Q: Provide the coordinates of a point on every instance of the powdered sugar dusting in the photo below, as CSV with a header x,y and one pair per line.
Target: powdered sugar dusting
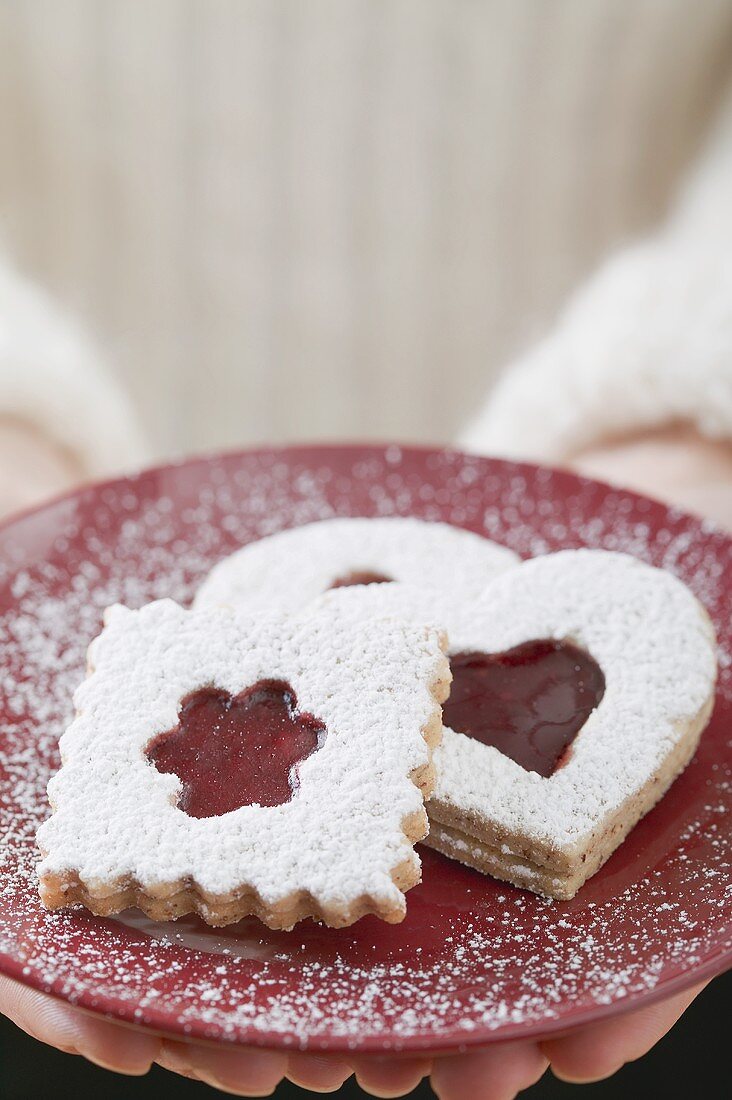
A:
x,y
293,567
474,959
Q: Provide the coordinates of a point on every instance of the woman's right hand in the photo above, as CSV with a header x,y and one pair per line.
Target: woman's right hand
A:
x,y
673,464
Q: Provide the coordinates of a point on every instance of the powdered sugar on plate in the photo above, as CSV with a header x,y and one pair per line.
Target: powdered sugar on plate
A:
x,y
474,959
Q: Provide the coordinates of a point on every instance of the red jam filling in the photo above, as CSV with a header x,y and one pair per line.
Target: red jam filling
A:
x,y
360,578
529,702
237,751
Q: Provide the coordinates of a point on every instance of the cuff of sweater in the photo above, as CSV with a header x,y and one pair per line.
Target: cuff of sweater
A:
x,y
51,377
647,343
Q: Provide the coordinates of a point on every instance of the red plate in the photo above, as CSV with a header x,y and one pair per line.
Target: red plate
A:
x,y
475,960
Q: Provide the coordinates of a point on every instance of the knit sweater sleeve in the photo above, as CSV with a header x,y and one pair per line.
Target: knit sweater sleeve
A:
x,y
52,378
646,342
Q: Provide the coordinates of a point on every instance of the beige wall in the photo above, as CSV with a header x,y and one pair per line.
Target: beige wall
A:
x,y
336,217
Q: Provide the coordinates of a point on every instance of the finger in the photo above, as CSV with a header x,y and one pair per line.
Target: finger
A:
x,y
173,1056
103,1042
599,1050
241,1071
387,1077
318,1073
497,1073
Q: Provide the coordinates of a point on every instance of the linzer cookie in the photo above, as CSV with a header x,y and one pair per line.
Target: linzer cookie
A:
x,y
231,764
289,569
582,682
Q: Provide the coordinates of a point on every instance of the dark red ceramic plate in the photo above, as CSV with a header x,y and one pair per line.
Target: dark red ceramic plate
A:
x,y
475,960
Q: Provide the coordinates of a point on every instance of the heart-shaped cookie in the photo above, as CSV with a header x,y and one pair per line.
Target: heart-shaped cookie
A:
x,y
339,847
654,647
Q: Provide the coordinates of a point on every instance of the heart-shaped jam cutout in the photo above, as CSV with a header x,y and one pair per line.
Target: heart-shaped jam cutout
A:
x,y
360,578
236,751
529,702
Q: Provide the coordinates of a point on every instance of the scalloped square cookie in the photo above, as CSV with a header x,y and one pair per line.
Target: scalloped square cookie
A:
x,y
228,764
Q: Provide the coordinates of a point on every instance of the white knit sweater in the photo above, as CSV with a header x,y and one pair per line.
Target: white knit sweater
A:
x,y
647,341
340,218
52,377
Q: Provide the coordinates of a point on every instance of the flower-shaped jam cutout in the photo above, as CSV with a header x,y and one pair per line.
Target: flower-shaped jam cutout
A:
x,y
231,751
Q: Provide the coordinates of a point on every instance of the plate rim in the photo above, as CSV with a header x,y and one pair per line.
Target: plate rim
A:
x,y
453,1042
